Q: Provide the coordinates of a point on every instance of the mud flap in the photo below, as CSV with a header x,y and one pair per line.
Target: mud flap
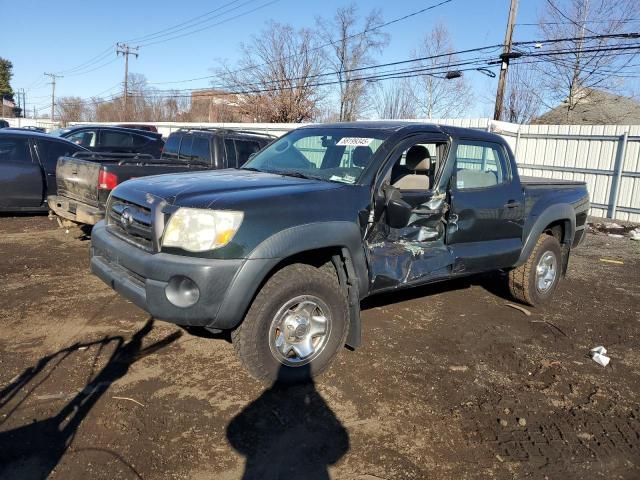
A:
x,y
348,279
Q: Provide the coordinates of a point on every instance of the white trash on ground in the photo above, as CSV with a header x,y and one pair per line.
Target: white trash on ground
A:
x,y
599,356
635,234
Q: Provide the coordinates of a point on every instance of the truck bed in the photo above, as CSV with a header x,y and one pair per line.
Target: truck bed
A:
x,y
537,181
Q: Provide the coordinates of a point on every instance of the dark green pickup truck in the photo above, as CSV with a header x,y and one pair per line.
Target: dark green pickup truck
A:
x,y
282,250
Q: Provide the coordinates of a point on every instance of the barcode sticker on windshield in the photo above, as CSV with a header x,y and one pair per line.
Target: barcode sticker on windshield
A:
x,y
354,142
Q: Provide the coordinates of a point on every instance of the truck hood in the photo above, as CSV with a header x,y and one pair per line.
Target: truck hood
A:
x,y
219,188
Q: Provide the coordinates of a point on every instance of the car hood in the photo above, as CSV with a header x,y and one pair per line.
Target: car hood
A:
x,y
221,188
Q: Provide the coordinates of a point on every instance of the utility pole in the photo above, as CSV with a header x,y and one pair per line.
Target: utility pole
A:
x,y
24,104
126,50
53,77
505,57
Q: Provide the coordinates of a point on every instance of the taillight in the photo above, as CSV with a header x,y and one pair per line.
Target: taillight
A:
x,y
107,180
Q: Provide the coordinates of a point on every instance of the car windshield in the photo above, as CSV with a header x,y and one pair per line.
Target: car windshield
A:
x,y
335,154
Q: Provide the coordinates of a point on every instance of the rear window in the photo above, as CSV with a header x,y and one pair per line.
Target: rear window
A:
x,y
170,150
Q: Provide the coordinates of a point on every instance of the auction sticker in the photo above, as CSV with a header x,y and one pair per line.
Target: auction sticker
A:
x,y
354,142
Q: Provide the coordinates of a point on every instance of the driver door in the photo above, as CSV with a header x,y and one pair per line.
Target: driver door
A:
x,y
411,252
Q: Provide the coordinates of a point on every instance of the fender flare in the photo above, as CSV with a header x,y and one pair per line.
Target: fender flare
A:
x,y
342,235
554,213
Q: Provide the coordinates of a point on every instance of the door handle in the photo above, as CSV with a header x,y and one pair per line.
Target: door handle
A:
x,y
511,204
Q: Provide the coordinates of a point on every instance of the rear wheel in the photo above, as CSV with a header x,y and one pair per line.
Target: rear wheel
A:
x,y
295,326
536,280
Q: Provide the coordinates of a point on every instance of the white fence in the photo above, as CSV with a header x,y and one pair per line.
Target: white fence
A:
x,y
607,157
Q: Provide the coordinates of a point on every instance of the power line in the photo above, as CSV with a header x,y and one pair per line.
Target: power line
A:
x,y
417,70
625,20
168,30
92,61
260,7
320,47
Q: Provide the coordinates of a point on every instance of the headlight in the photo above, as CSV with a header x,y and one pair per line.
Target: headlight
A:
x,y
198,230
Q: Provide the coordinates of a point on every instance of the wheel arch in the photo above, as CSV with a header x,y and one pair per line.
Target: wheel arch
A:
x,y
558,220
314,244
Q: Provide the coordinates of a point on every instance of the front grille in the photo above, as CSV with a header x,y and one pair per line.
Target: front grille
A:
x,y
132,222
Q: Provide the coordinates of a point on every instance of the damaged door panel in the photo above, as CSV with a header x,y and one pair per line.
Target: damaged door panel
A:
x,y
413,252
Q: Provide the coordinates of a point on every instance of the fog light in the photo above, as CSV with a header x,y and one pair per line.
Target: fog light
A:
x,y
182,291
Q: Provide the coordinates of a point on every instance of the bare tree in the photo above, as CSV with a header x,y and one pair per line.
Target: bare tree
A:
x,y
352,44
145,104
590,64
395,99
441,97
71,109
276,76
523,100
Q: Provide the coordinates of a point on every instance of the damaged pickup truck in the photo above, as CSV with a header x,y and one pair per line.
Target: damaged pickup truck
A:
x,y
282,250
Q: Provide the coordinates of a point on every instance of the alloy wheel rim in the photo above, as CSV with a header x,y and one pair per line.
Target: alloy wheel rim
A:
x,y
546,272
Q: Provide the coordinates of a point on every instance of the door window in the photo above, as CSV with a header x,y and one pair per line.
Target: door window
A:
x,y
170,150
49,152
200,149
139,140
231,152
86,138
116,139
14,150
415,168
244,149
185,148
479,165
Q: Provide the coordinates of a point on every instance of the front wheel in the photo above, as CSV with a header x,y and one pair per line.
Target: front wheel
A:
x,y
294,327
535,281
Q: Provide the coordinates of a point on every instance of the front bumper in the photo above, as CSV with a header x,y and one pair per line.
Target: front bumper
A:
x,y
75,211
143,277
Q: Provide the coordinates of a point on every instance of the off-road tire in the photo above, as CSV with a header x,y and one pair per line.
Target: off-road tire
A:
x,y
251,338
522,280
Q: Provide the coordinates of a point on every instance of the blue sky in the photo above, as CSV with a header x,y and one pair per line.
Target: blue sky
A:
x,y
46,36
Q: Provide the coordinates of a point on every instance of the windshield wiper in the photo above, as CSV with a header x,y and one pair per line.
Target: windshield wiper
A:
x,y
297,174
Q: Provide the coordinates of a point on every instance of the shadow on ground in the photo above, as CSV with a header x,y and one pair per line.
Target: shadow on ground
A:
x,y
32,451
288,432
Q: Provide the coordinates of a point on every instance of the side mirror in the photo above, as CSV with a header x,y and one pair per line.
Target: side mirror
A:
x,y
398,213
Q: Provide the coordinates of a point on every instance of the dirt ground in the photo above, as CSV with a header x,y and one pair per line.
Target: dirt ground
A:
x,y
450,382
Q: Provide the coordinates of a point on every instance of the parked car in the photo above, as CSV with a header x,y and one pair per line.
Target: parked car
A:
x,y
85,181
282,251
4,124
139,126
28,168
104,138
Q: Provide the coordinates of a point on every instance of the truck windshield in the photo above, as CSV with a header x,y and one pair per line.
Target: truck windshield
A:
x,y
336,155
